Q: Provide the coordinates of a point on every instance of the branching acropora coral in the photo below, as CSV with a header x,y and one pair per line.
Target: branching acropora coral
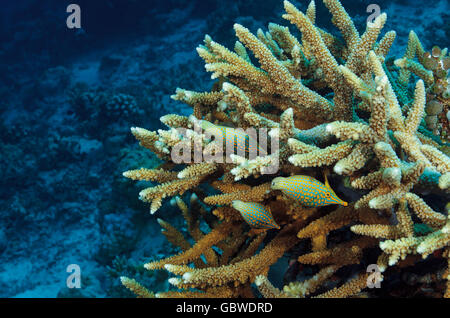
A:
x,y
325,104
433,67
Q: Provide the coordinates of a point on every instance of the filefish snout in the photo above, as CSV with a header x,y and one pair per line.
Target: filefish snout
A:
x,y
256,215
334,199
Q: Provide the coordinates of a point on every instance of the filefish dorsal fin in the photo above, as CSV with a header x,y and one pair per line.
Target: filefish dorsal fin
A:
x,y
327,184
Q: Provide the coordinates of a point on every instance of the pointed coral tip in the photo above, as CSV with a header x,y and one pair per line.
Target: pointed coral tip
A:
x,y
126,174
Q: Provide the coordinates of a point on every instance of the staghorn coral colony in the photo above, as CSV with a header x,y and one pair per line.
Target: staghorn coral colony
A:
x,y
377,127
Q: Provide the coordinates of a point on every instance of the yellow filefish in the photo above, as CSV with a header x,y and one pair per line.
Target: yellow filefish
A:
x,y
233,139
307,190
255,214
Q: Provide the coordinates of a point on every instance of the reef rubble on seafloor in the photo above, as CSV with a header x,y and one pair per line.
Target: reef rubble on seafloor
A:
x,y
334,104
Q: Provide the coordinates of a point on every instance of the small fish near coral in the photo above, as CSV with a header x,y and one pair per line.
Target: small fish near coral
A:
x,y
309,191
236,140
256,215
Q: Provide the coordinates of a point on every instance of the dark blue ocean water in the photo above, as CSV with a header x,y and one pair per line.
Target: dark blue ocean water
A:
x,y
68,98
